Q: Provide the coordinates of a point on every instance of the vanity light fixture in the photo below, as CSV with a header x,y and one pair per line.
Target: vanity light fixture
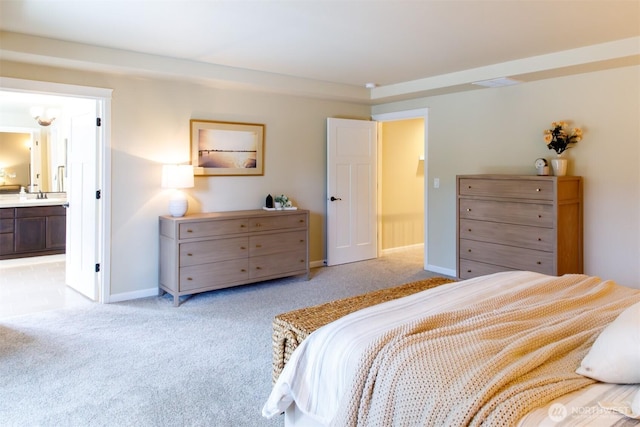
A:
x,y
43,119
177,177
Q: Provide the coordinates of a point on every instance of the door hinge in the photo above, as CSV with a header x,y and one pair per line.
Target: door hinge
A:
x,y
98,121
98,268
98,194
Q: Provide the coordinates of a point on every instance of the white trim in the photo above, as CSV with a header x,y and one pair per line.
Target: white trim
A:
x,y
127,296
103,97
320,263
422,113
441,270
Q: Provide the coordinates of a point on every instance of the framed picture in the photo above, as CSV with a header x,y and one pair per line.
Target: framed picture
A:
x,y
227,148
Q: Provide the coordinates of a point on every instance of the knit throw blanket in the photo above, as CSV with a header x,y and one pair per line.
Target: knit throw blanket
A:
x,y
486,364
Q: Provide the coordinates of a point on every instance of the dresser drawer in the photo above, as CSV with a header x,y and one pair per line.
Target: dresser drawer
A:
x,y
537,215
513,189
538,238
267,244
278,222
215,274
207,251
267,265
507,256
469,269
213,228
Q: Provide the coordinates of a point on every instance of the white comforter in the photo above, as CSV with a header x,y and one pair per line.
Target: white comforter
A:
x,y
318,375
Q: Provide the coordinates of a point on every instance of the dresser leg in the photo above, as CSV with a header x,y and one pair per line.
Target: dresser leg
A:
x,y
176,300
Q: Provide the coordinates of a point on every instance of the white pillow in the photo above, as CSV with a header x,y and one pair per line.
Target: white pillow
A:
x,y
615,354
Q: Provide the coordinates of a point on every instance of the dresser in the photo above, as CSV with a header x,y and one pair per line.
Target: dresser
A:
x,y
209,251
519,222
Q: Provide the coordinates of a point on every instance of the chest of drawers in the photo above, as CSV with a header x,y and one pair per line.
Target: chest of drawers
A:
x,y
507,222
204,252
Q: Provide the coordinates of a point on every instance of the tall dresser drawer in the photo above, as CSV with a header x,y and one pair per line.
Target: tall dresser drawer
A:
x,y
267,244
469,269
267,265
538,215
278,222
213,250
211,275
538,238
213,228
507,256
513,189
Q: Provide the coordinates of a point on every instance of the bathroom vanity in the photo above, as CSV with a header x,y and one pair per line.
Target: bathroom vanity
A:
x,y
32,227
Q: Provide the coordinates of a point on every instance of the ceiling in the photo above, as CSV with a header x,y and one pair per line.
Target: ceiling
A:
x,y
403,47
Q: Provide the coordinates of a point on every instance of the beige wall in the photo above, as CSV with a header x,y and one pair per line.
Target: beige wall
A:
x,y
150,126
15,157
402,183
500,131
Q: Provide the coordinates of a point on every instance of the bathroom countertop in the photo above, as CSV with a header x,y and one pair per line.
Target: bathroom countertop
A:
x,y
15,202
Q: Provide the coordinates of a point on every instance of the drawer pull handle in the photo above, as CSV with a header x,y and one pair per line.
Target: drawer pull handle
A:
x,y
189,278
301,240
189,254
242,247
301,221
469,230
469,187
539,239
539,262
189,230
537,189
242,270
241,225
258,268
301,260
539,216
258,246
258,224
468,250
468,271
468,209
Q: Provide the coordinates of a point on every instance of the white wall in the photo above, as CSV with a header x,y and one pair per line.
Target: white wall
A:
x,y
500,131
150,127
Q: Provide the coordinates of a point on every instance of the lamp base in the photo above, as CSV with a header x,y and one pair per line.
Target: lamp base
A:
x,y
178,204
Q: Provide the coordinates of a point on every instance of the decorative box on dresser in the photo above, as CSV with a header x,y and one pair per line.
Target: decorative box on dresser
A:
x,y
519,222
204,252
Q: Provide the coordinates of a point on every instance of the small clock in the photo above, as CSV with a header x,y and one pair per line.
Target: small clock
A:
x,y
542,167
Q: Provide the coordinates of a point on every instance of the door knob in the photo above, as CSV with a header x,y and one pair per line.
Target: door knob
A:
x,y
333,199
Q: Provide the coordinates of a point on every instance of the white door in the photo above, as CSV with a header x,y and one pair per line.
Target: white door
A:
x,y
82,214
351,190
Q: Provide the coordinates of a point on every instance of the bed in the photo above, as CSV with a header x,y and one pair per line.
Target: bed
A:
x,y
512,348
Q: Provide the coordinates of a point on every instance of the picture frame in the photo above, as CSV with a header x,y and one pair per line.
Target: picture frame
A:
x,y
227,148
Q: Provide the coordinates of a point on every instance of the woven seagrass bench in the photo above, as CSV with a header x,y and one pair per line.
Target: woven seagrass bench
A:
x,y
291,328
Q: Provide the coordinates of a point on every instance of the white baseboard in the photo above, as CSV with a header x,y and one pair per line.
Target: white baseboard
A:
x,y
401,248
126,296
441,270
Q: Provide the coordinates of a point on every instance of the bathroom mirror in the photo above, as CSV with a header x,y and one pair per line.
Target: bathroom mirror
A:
x,y
31,158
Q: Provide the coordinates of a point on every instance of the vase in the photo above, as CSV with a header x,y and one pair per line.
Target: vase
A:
x,y
559,165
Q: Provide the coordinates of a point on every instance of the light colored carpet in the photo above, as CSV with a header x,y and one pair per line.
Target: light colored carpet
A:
x,y
147,363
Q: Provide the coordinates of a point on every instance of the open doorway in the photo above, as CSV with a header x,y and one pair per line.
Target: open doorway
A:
x,y
92,231
402,190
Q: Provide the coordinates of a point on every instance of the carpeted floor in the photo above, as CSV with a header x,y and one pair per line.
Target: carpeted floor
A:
x,y
147,363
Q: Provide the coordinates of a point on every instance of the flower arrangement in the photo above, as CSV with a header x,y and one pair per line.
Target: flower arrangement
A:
x,y
558,138
283,200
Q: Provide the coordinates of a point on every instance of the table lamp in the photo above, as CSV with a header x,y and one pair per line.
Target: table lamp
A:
x,y
177,177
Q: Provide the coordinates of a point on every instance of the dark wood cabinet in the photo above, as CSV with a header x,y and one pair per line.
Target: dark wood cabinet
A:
x,y
32,231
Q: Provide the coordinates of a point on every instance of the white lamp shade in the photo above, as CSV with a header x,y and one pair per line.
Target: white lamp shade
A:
x,y
177,176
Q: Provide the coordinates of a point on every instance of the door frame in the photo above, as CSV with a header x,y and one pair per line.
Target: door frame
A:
x,y
420,113
102,97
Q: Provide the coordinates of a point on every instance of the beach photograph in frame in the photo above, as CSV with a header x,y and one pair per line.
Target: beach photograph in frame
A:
x,y
227,148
